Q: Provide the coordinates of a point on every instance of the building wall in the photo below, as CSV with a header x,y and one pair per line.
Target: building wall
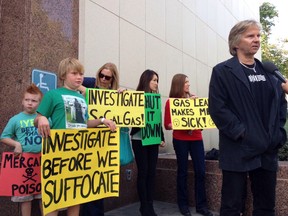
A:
x,y
168,36
34,34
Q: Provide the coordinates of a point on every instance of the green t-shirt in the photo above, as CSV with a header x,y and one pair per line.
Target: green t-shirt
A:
x,y
21,128
66,108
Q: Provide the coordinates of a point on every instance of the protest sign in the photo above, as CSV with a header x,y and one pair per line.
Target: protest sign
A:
x,y
78,166
187,113
125,109
151,133
20,176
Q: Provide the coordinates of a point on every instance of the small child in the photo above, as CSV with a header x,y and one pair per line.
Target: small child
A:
x,y
67,108
16,132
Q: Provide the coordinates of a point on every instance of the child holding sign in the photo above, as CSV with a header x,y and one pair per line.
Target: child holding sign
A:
x,y
146,156
21,134
67,109
187,142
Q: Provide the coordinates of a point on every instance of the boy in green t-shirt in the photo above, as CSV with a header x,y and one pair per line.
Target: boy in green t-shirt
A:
x,y
67,108
21,134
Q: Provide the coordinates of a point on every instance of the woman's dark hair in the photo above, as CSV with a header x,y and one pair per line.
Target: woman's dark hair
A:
x,y
145,79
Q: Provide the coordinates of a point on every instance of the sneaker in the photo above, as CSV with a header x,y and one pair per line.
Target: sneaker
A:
x,y
204,212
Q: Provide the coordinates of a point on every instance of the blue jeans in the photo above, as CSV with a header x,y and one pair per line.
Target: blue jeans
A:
x,y
196,150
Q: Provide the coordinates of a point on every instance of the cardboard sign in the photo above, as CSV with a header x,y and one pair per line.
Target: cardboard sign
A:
x,y
189,113
151,133
79,166
20,176
125,109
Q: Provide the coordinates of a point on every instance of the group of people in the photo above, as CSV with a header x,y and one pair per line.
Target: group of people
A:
x,y
50,114
246,103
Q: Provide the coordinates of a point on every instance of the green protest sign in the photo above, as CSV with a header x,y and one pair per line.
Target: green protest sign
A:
x,y
151,133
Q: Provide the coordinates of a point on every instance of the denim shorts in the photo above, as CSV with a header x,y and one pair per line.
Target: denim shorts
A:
x,y
25,198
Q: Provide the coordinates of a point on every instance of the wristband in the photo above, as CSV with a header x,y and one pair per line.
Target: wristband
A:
x,y
102,120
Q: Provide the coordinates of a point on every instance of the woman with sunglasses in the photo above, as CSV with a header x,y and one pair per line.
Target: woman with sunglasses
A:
x,y
107,77
146,156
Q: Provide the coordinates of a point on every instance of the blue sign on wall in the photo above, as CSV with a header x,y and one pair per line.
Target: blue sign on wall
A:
x,y
44,80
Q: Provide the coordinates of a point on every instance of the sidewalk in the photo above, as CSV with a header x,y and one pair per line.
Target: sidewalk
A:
x,y
161,208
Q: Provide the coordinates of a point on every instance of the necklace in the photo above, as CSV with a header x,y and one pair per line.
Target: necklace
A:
x,y
253,68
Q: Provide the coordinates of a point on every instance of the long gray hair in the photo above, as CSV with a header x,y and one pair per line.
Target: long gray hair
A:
x,y
237,31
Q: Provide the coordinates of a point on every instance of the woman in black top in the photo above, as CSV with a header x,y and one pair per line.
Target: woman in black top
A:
x,y
146,156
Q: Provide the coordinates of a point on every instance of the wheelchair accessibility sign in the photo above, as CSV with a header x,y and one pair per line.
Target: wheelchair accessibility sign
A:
x,y
44,80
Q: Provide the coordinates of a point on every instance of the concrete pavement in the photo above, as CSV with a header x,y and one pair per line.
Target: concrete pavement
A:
x,y
161,208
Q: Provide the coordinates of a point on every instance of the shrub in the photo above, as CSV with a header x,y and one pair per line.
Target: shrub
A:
x,y
283,153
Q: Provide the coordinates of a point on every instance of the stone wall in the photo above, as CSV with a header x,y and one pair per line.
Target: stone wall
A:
x,y
166,185
34,34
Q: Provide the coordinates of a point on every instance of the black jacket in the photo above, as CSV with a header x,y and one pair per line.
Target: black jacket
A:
x,y
244,143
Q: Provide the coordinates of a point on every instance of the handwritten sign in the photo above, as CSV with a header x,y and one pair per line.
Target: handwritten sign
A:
x,y
189,113
125,109
20,176
79,166
151,133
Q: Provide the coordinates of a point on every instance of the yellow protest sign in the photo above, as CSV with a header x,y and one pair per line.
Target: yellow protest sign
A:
x,y
79,166
189,113
125,109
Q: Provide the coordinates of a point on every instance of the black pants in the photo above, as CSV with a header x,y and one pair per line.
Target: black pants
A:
x,y
146,159
93,208
263,184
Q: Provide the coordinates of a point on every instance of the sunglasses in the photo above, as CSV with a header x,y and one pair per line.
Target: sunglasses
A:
x,y
106,77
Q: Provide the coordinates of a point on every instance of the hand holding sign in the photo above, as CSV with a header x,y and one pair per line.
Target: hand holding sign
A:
x,y
109,123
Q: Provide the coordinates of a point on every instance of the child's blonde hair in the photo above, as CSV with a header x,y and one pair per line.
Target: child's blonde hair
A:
x,y
69,64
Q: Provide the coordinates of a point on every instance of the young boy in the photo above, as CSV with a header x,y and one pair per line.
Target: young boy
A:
x,y
16,132
67,108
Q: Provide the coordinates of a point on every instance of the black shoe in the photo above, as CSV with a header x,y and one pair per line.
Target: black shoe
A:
x,y
144,211
151,209
204,212
185,212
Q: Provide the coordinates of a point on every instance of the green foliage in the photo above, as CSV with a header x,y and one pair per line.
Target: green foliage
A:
x,y
272,52
283,152
267,14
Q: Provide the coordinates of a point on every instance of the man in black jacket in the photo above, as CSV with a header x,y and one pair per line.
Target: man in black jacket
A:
x,y
248,107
